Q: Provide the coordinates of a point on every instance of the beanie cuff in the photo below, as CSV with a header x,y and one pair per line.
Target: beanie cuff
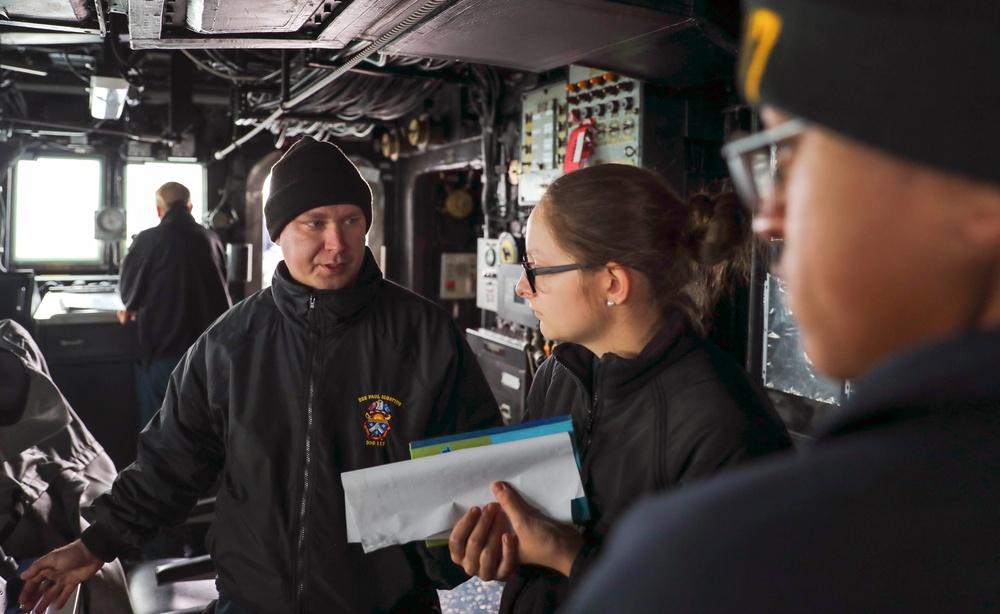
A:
x,y
905,81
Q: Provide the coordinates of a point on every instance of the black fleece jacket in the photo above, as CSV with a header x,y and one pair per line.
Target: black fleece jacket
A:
x,y
174,276
681,410
273,398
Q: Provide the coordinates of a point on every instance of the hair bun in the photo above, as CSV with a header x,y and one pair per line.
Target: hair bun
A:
x,y
720,228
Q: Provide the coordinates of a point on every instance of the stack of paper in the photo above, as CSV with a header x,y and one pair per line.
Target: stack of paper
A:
x,y
423,498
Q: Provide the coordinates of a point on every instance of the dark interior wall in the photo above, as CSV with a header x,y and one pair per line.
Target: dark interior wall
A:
x,y
413,224
259,167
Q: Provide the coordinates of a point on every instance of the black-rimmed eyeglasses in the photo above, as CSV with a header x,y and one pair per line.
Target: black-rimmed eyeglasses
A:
x,y
531,272
752,161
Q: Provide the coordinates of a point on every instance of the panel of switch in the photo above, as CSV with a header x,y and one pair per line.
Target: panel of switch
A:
x,y
487,264
614,105
458,276
543,146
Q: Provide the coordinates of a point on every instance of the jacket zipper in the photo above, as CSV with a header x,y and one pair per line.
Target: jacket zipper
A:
x,y
588,425
300,588
592,412
591,417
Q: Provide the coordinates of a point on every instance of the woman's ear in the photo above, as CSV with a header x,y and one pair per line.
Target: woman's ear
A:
x,y
618,283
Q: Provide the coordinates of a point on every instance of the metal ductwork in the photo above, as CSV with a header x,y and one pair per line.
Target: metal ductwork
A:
x,y
218,17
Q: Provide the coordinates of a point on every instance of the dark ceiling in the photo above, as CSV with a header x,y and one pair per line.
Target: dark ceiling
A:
x,y
341,66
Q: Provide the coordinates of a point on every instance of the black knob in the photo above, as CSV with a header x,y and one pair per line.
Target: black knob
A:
x,y
8,566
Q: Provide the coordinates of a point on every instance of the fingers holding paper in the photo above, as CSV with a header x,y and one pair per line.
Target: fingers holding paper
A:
x,y
540,539
482,545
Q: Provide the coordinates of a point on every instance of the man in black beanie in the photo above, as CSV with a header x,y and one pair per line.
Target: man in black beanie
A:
x,y
880,171
330,369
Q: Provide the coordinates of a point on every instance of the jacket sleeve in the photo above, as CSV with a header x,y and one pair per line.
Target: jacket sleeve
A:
x,y
180,456
465,403
132,278
584,559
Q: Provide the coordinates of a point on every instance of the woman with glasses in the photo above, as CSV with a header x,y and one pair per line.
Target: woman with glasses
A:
x,y
624,275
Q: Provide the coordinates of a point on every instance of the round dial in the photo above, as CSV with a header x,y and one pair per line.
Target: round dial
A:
x,y
509,253
459,203
111,220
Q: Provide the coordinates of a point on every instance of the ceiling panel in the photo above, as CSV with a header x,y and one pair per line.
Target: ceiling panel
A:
x,y
49,10
670,43
534,35
231,17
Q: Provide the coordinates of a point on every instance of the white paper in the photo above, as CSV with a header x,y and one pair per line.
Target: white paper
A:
x,y
99,301
423,498
69,608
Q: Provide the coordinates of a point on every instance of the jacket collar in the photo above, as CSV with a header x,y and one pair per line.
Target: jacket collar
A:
x,y
619,376
332,306
932,376
176,214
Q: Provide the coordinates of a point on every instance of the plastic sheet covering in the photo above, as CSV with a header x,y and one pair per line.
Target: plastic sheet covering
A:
x,y
786,366
472,597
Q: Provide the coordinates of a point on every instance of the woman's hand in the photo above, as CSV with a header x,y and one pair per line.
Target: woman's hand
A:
x,y
540,540
481,545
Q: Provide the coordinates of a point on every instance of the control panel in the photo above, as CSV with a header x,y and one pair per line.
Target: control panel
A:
x,y
505,367
612,105
458,276
487,266
544,130
510,306
595,117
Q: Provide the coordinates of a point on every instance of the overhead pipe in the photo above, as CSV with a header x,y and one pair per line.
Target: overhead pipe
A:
x,y
397,30
285,74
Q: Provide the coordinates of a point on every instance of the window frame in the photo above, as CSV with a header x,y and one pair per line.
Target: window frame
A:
x,y
99,262
200,197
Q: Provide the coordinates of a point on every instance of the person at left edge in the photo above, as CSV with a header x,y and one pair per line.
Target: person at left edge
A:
x,y
331,369
173,285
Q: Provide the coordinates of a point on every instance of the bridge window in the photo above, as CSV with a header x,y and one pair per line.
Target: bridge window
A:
x,y
141,182
53,199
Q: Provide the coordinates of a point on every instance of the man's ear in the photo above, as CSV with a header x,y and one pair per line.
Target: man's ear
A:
x,y
981,216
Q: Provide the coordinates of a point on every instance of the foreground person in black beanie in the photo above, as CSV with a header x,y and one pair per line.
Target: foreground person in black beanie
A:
x,y
887,196
331,369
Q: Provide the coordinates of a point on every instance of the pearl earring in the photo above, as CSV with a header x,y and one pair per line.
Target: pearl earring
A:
x,y
611,303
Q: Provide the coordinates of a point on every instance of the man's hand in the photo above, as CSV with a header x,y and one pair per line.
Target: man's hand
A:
x,y
125,316
52,578
480,545
540,540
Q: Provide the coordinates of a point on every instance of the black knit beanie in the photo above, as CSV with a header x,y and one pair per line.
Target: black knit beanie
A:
x,y
910,77
313,174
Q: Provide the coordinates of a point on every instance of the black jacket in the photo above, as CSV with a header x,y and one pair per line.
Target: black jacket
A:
x,y
174,276
680,411
274,398
892,508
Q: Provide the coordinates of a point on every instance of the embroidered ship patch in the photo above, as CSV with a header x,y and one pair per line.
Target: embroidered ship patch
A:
x,y
377,422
